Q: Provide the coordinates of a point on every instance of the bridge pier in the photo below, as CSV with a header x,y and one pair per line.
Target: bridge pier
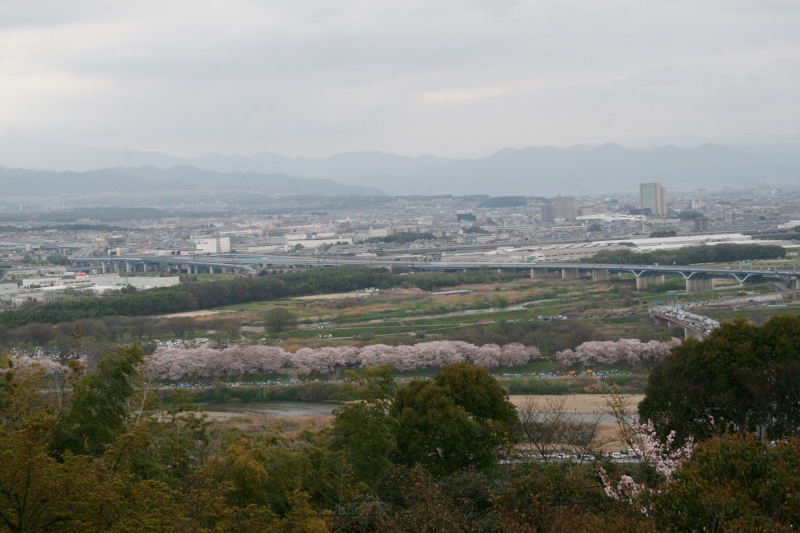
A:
x,y
657,319
788,285
671,326
691,334
699,284
604,275
570,273
645,282
539,273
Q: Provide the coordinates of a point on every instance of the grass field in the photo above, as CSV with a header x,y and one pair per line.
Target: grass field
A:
x,y
407,314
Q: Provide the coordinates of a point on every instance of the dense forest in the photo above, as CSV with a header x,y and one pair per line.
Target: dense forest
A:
x,y
720,253
447,454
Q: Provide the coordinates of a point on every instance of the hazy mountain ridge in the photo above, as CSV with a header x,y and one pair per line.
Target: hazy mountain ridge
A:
x,y
549,171
23,182
527,171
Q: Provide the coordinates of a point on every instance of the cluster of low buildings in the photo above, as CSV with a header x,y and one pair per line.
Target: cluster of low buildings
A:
x,y
560,228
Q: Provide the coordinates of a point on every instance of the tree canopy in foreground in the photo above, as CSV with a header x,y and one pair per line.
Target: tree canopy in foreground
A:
x,y
99,453
742,378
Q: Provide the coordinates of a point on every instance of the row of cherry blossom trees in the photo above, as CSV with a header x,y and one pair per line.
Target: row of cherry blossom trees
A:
x,y
631,351
175,364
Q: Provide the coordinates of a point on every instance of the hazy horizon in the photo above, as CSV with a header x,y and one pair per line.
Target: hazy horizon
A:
x,y
743,140
453,79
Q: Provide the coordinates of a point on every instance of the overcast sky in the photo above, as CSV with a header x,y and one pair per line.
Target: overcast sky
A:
x,y
441,77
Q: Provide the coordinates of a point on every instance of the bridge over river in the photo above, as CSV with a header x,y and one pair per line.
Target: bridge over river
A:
x,y
696,326
698,277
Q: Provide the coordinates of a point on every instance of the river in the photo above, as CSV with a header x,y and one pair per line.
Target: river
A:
x,y
270,409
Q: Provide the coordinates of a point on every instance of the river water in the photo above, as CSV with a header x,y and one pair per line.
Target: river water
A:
x,y
271,409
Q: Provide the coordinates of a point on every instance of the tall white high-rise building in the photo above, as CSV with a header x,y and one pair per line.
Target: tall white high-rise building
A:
x,y
653,196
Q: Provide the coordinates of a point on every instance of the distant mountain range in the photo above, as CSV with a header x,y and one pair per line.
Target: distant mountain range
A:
x,y
22,182
527,171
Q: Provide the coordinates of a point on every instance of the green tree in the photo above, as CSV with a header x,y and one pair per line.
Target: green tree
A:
x,y
734,483
688,214
229,331
176,443
550,497
741,378
279,319
363,431
458,420
181,325
99,411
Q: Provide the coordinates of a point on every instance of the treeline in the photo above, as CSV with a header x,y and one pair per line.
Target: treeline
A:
x,y
61,227
105,214
720,253
504,201
192,295
783,236
548,337
663,233
577,385
404,237
314,391
96,335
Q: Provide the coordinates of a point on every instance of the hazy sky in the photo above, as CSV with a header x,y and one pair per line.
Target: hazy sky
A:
x,y
442,77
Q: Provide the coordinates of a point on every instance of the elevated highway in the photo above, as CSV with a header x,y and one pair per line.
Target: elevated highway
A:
x,y
697,277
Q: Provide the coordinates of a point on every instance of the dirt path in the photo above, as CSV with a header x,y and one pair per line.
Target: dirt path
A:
x,y
335,296
204,312
581,403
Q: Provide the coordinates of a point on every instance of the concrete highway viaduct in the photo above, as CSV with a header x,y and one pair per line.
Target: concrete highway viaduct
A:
x,y
698,278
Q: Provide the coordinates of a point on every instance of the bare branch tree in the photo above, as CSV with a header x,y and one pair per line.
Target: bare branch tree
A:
x,y
582,433
543,422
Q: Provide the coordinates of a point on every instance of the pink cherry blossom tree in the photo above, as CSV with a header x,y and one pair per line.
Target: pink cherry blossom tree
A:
x,y
631,351
173,364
